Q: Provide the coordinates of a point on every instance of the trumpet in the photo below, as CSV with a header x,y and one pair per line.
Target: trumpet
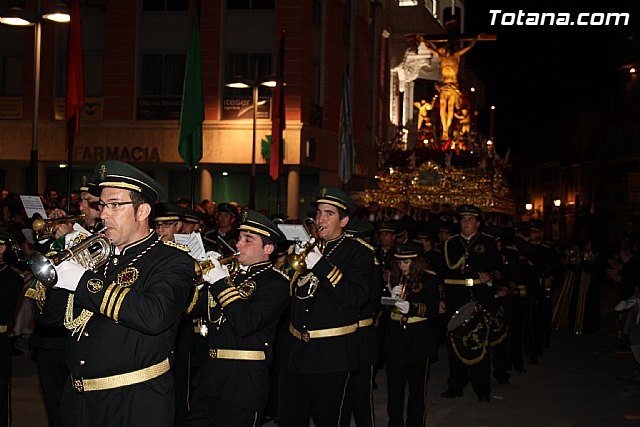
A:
x,y
203,267
43,228
91,253
297,261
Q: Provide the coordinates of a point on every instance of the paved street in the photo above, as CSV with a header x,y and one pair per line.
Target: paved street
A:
x,y
582,381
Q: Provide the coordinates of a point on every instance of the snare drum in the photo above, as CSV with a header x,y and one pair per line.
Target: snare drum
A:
x,y
469,333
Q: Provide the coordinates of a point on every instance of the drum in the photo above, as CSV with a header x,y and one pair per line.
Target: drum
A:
x,y
498,327
469,333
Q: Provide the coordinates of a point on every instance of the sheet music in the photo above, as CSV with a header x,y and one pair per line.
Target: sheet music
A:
x,y
295,232
33,204
194,241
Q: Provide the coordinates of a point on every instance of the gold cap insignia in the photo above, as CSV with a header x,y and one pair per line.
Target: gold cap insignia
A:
x,y
103,172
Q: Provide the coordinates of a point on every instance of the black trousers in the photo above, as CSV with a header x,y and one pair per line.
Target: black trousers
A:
x,y
359,399
5,377
207,412
515,337
303,396
53,374
460,373
398,374
500,360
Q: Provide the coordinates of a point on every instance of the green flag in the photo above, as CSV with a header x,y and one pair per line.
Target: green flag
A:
x,y
192,112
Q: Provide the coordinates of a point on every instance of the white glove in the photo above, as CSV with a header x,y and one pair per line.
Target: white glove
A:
x,y
396,291
69,238
69,274
218,271
313,257
298,247
403,306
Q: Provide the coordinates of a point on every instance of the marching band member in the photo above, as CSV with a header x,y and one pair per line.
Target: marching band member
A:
x,y
321,349
410,341
470,258
243,312
123,316
10,286
89,205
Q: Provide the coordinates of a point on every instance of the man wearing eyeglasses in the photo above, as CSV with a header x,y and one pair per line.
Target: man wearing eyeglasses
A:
x,y
122,316
168,221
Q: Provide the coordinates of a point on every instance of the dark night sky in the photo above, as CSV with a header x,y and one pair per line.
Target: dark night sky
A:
x,y
538,77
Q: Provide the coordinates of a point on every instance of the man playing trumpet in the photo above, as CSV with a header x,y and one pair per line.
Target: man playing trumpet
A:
x,y
123,315
322,347
243,313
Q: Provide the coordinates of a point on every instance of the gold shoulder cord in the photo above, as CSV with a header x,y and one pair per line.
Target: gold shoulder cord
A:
x,y
77,325
458,264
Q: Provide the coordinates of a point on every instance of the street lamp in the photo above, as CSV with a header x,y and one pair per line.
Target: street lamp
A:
x,y
15,16
254,85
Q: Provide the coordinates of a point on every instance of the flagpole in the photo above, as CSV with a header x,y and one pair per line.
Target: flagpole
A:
x,y
193,187
71,126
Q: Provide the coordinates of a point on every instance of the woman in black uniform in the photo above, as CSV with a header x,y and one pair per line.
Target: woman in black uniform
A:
x,y
409,340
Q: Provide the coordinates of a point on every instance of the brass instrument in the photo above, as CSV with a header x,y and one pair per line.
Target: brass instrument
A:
x,y
297,261
91,253
203,267
43,228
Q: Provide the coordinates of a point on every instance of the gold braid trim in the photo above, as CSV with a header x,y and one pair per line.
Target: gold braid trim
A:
x,y
77,325
458,264
37,292
194,300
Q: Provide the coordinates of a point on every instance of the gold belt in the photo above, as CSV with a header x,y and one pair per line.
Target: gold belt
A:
x,y
3,329
323,333
365,322
411,319
465,282
80,385
220,353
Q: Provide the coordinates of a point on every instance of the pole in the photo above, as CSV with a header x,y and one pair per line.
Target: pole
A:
x,y
193,187
71,126
37,37
252,188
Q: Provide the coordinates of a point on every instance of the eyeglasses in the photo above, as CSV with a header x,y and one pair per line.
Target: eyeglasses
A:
x,y
164,224
113,206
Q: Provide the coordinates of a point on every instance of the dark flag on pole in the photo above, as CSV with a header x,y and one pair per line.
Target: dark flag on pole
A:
x,y
278,119
345,134
75,74
192,112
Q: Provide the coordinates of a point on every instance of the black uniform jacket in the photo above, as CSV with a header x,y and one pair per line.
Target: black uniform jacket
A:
x,y
10,286
243,317
408,340
136,303
330,296
481,256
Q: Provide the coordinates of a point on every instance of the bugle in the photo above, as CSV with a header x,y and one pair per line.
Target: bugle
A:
x,y
43,228
297,261
91,253
203,267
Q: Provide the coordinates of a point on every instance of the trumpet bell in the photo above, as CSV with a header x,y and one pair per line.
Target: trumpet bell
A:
x,y
43,269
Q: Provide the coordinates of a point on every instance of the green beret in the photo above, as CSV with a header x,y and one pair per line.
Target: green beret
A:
x,y
386,226
228,208
256,223
359,227
406,251
167,212
336,197
117,174
467,209
192,216
87,182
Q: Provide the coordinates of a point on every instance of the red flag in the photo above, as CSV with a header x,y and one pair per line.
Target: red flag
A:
x,y
278,120
75,71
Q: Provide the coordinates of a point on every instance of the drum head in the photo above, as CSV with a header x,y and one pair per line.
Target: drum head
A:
x,y
462,315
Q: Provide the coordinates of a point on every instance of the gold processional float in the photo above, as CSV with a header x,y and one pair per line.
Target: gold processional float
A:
x,y
450,162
